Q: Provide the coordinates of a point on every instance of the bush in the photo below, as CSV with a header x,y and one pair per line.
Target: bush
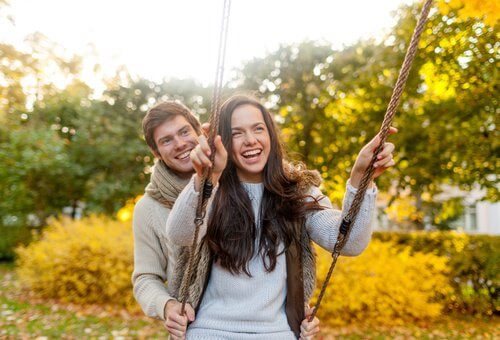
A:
x,y
382,286
85,261
401,277
12,236
474,266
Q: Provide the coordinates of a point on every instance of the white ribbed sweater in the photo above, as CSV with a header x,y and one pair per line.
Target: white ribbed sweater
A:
x,y
240,307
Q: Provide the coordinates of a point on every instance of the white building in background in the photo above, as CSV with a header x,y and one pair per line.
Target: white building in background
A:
x,y
479,217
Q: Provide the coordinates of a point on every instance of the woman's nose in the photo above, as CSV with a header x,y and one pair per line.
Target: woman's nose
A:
x,y
250,139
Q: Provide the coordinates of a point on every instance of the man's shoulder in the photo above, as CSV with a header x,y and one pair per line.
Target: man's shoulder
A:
x,y
147,203
148,207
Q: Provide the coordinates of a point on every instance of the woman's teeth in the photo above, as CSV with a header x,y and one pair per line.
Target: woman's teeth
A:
x,y
252,153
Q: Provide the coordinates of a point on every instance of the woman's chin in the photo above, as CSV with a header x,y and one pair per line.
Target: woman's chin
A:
x,y
250,174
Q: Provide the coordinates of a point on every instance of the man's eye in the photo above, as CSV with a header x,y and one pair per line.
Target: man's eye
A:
x,y
165,141
184,132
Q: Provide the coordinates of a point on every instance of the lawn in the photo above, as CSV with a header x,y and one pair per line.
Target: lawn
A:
x,y
22,315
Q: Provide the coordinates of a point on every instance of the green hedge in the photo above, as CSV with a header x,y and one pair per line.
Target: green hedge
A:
x,y
473,260
11,237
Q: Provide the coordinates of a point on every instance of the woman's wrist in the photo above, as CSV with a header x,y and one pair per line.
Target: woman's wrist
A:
x,y
215,178
355,181
197,181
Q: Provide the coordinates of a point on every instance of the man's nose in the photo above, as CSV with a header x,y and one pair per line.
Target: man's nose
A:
x,y
179,143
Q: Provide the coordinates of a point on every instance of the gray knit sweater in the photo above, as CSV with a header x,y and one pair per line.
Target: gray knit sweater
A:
x,y
242,307
154,256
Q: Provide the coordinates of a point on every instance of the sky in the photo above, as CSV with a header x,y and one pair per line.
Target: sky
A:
x,y
158,39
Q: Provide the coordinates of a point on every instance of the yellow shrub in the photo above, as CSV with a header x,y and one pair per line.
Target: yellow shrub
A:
x,y
91,260
126,212
382,286
85,261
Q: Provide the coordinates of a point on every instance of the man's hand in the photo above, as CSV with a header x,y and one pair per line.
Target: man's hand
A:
x,y
175,322
309,329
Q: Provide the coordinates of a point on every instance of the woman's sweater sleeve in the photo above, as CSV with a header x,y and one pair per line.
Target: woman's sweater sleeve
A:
x,y
323,225
180,222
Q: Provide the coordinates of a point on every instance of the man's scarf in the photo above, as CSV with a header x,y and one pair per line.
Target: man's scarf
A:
x,y
164,185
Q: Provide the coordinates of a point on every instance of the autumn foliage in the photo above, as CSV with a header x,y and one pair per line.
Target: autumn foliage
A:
x,y
473,266
488,10
85,261
383,286
399,278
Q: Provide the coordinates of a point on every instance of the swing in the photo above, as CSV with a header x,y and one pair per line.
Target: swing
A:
x,y
345,227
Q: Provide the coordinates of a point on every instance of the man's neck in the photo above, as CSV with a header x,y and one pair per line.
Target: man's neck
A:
x,y
183,175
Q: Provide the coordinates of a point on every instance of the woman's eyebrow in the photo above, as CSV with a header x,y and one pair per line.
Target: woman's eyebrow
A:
x,y
252,126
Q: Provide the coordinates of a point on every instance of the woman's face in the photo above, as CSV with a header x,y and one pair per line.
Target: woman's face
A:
x,y
251,142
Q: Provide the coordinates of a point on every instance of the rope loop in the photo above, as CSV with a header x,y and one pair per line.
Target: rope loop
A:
x,y
199,220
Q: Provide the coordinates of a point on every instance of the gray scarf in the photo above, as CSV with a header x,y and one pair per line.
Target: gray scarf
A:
x,y
164,185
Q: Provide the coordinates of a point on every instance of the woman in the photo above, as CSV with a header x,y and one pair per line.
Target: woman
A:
x,y
260,218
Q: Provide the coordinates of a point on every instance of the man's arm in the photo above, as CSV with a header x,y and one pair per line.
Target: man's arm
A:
x,y
150,263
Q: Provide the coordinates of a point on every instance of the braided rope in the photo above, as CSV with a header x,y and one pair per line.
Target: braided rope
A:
x,y
350,217
206,185
217,94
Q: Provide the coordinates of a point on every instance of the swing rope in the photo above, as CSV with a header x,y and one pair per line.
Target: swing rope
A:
x,y
348,220
206,184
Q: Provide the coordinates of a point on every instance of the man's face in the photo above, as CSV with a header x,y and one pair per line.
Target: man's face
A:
x,y
175,138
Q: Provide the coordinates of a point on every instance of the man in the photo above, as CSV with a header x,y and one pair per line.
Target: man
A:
x,y
171,132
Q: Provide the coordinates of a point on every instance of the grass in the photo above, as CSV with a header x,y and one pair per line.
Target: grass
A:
x,y
25,316
19,320
22,318
457,327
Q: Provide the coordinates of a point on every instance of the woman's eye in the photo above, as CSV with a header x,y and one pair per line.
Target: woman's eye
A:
x,y
259,128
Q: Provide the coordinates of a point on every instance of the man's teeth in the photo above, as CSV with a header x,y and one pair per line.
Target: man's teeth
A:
x,y
183,155
251,153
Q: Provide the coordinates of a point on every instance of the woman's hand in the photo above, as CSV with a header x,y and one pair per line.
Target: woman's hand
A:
x,y
200,157
384,159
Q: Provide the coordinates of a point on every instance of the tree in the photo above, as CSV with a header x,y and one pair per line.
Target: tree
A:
x,y
330,103
103,138
487,10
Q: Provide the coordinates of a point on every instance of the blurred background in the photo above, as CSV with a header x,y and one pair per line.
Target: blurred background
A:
x,y
77,77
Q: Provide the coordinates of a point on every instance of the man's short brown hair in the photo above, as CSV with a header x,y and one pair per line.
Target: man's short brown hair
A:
x,y
162,112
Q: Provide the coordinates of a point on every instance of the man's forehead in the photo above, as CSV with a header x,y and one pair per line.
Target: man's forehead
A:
x,y
171,126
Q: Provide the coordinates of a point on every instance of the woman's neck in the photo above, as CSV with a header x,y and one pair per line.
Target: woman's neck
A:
x,y
249,178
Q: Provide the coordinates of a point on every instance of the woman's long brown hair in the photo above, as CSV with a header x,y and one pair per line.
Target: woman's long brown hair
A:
x,y
232,231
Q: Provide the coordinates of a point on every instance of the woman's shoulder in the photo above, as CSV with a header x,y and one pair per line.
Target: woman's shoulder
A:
x,y
306,179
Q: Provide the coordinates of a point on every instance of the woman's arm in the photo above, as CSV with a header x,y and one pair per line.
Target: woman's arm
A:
x,y
180,222
323,225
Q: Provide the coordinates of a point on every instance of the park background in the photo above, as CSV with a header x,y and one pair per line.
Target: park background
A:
x,y
73,159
